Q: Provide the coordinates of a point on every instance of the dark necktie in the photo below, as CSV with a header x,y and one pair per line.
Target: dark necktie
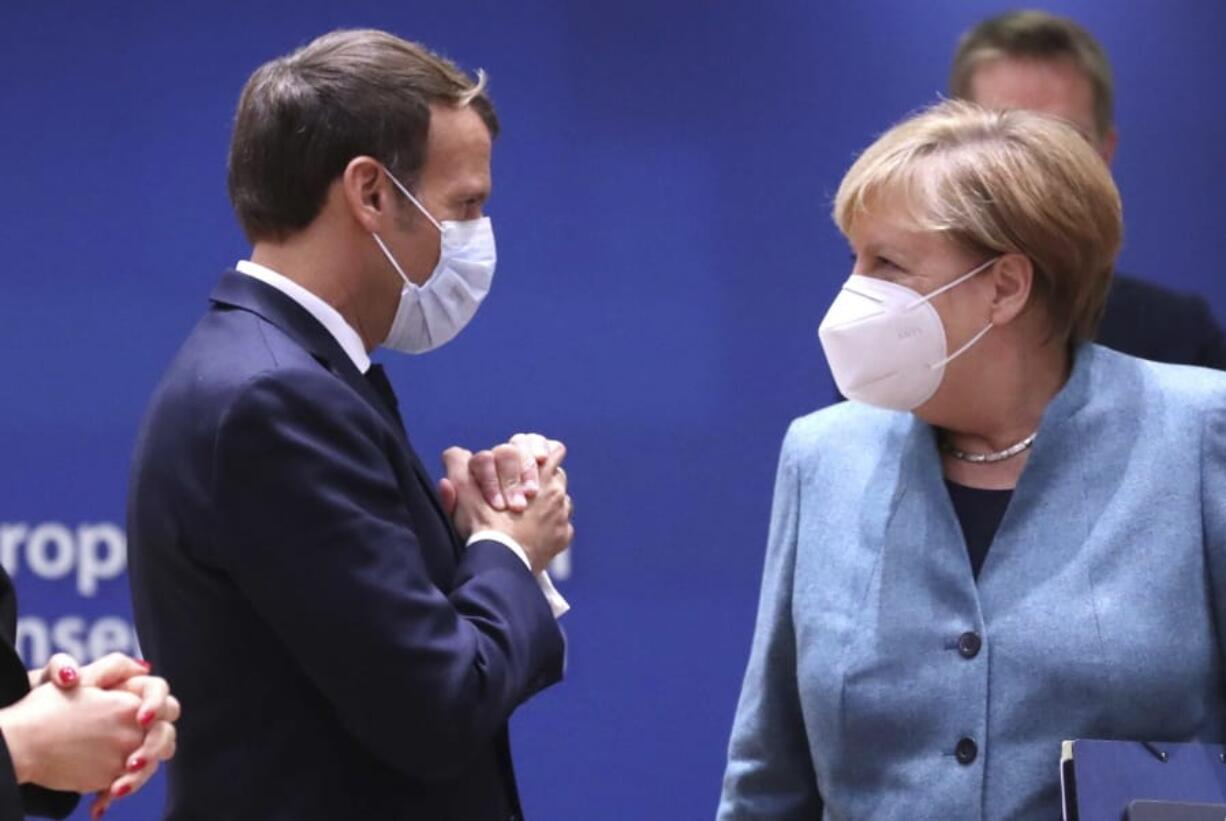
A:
x,y
379,381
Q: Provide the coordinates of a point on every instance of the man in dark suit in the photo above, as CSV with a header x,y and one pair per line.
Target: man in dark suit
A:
x,y
346,644
1035,60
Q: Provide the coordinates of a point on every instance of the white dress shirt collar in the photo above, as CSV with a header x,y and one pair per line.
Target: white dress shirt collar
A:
x,y
325,314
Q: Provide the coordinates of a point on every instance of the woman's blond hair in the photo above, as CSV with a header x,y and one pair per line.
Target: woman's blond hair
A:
x,y
998,182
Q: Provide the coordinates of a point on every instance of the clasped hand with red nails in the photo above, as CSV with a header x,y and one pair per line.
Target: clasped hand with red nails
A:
x,y
102,727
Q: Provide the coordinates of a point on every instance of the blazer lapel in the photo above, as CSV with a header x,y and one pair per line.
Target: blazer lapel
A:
x,y
1051,512
241,291
925,557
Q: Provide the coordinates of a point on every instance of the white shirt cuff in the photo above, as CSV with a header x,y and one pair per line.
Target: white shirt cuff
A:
x,y
557,604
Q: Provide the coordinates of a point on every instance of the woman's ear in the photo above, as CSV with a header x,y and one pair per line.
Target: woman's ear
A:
x,y
1012,278
364,193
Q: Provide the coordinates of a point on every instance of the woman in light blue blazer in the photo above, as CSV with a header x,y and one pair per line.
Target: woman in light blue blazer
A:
x,y
1010,537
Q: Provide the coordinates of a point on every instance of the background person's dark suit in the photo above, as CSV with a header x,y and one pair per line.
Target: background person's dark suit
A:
x,y
338,653
16,802
1153,322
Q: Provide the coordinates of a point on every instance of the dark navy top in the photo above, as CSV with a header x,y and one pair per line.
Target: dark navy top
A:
x,y
979,512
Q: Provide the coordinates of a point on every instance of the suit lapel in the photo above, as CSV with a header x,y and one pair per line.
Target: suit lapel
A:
x,y
241,291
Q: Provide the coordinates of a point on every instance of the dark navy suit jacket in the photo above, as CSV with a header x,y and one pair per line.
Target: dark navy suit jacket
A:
x,y
1146,320
338,653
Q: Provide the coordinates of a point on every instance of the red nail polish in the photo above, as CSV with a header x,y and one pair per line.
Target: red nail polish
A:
x,y
147,665
136,765
124,790
145,719
98,813
68,675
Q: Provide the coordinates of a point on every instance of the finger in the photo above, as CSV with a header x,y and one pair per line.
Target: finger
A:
x,y
529,476
509,464
113,669
63,671
570,508
448,496
485,473
553,463
455,462
156,702
532,443
532,452
130,782
101,803
154,694
159,745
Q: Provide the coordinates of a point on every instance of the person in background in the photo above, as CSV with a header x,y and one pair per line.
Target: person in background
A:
x,y
68,729
350,644
990,548
1038,61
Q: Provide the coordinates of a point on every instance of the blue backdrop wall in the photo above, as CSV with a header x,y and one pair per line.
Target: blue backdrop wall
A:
x,y
662,191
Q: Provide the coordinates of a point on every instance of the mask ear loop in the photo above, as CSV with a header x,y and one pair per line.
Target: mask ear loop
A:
x,y
413,200
392,259
963,349
383,246
950,285
942,290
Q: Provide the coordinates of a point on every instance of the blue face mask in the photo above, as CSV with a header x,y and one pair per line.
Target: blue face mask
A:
x,y
431,315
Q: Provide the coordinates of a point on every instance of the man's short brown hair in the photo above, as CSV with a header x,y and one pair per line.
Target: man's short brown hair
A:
x,y
302,118
1040,36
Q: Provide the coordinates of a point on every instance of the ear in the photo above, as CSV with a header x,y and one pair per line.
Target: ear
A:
x,y
1107,145
1012,278
365,193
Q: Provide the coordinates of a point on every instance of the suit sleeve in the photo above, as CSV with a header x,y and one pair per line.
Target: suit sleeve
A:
x,y
45,803
11,808
769,773
16,802
311,524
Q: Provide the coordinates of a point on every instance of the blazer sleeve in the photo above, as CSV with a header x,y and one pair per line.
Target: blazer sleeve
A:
x,y
16,802
311,525
770,772
1213,513
11,808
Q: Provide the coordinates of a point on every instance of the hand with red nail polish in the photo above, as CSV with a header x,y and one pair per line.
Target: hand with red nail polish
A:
x,y
114,760
77,740
61,670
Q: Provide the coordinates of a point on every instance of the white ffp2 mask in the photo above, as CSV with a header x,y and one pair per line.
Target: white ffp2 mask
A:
x,y
885,342
431,315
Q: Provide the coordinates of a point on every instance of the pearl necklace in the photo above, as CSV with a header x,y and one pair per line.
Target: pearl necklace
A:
x,y
989,458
